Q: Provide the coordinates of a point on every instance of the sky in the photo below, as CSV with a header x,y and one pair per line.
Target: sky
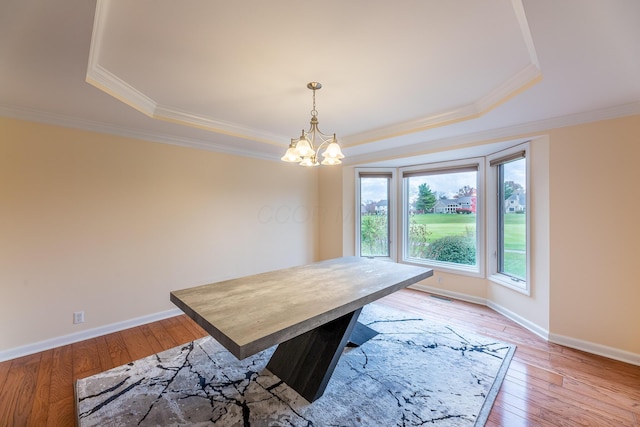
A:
x,y
449,183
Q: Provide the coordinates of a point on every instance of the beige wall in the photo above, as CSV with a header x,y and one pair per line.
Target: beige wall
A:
x,y
332,219
110,225
595,233
585,233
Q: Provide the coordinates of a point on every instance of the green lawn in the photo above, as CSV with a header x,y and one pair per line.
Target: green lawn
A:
x,y
441,225
515,264
515,232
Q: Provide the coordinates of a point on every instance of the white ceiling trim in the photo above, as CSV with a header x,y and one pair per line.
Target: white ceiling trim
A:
x,y
516,84
103,79
30,114
506,132
108,82
233,129
521,81
111,84
45,117
588,65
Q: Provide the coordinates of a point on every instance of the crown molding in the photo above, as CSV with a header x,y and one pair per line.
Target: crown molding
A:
x,y
519,82
499,133
34,115
99,76
111,84
38,116
30,114
103,79
227,128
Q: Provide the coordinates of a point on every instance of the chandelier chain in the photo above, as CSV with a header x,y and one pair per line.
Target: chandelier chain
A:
x,y
314,112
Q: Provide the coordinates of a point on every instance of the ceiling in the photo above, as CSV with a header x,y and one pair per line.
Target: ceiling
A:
x,y
398,78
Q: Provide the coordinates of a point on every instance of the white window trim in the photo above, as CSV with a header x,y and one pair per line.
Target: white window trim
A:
x,y
474,271
492,222
390,211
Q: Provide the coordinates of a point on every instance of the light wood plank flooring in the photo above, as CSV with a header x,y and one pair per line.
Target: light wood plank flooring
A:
x,y
546,385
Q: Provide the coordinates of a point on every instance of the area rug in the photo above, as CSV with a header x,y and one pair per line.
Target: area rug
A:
x,y
414,372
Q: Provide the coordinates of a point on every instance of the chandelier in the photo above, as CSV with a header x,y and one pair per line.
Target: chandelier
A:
x,y
305,149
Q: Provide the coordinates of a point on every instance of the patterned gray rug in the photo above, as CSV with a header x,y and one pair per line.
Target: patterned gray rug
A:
x,y
415,372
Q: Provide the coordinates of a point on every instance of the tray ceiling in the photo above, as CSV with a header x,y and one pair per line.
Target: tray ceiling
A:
x,y
231,76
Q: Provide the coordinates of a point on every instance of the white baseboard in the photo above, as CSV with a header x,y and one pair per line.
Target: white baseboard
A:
x,y
541,332
48,344
589,347
527,324
451,294
599,349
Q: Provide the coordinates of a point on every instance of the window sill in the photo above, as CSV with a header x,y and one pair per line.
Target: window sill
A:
x,y
507,282
445,267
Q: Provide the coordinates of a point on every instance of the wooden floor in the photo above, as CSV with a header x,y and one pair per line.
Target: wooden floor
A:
x,y
546,385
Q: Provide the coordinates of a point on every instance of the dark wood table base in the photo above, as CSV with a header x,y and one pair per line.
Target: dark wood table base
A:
x,y
307,361
360,335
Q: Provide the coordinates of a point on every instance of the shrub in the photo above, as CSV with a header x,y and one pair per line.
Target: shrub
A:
x,y
418,239
373,235
458,249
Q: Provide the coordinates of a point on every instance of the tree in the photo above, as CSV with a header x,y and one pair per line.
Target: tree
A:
x,y
369,207
465,191
511,187
426,198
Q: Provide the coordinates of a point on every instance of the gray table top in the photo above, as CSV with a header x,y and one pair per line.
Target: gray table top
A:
x,y
253,313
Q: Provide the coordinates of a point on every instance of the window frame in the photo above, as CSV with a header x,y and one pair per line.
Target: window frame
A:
x,y
493,227
477,270
391,209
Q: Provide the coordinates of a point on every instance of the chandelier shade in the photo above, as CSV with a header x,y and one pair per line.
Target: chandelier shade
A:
x,y
305,149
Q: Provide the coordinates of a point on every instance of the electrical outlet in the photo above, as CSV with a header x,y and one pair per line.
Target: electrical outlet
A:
x,y
440,279
78,317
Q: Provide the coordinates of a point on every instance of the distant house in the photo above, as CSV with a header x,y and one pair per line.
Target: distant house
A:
x,y
515,203
465,204
374,208
446,206
381,207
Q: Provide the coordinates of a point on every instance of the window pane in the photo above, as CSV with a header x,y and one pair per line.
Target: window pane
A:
x,y
512,219
374,216
441,215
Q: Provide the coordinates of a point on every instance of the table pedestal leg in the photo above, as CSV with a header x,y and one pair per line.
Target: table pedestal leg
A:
x,y
360,335
307,361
